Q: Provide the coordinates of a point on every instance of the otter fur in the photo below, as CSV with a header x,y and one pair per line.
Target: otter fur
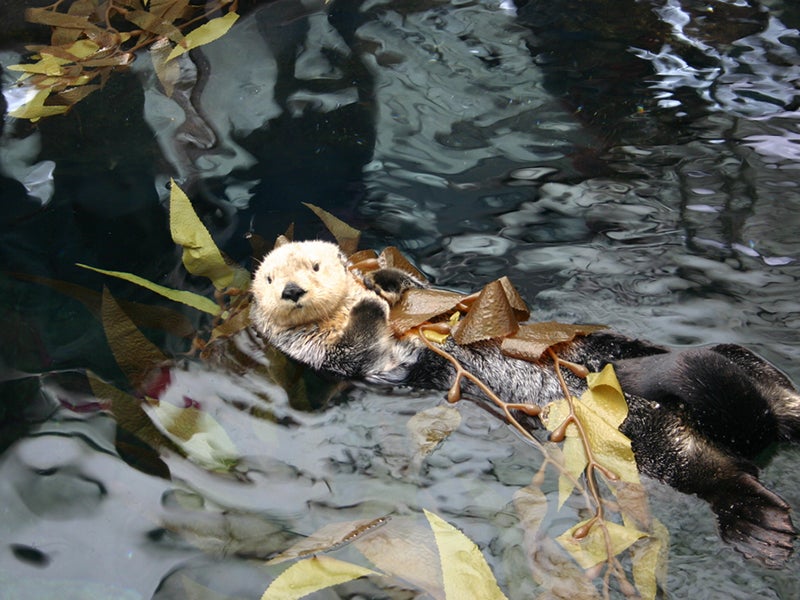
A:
x,y
697,418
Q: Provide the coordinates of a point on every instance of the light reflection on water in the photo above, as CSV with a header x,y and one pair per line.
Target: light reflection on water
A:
x,y
639,173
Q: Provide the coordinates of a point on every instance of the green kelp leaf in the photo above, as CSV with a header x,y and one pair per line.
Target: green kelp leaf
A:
x,y
131,418
197,301
464,569
313,574
46,16
346,236
205,34
144,315
195,432
201,256
135,354
591,549
406,550
127,411
329,537
429,428
649,559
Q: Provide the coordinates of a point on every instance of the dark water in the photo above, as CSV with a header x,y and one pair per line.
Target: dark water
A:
x,y
631,163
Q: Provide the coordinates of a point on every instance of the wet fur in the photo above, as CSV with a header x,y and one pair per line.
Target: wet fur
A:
x,y
697,418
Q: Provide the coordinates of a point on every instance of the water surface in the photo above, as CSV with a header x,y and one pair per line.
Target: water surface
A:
x,y
630,163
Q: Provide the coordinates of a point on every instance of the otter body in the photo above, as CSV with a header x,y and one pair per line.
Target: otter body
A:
x,y
696,418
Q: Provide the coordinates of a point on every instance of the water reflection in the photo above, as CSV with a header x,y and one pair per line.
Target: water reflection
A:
x,y
631,163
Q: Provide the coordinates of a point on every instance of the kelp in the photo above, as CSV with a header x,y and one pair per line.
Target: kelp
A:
x,y
618,539
92,39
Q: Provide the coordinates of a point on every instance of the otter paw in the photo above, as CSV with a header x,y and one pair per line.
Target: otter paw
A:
x,y
390,283
755,521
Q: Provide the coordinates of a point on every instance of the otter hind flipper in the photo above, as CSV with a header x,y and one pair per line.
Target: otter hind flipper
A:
x,y
774,386
696,419
753,519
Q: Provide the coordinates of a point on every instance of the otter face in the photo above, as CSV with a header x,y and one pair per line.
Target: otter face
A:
x,y
300,283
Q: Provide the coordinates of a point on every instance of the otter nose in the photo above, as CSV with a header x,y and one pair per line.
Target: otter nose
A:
x,y
292,292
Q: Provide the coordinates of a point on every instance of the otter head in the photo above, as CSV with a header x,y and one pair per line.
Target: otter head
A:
x,y
300,283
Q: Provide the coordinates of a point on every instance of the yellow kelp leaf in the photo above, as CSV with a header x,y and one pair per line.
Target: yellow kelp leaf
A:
x,y
611,448
83,48
154,24
346,236
329,537
167,72
574,456
632,502
607,398
311,575
135,354
205,34
464,570
530,503
575,462
189,298
195,432
649,559
550,566
591,549
405,549
35,108
201,256
600,411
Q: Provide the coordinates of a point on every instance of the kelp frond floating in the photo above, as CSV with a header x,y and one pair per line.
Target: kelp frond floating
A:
x,y
617,540
91,39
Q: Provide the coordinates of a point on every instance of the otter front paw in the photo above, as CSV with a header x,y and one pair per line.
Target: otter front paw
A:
x,y
367,319
390,283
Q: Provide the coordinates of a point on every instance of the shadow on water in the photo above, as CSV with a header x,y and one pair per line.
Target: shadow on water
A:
x,y
631,163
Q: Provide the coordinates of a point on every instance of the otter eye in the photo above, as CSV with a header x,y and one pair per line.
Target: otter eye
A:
x,y
315,266
269,279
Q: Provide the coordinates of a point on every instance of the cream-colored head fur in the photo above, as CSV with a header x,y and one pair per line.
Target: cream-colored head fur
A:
x,y
300,283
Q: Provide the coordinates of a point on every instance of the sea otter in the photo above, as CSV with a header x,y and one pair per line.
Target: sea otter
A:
x,y
696,418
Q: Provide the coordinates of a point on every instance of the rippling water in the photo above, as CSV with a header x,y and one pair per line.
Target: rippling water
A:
x,y
630,163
